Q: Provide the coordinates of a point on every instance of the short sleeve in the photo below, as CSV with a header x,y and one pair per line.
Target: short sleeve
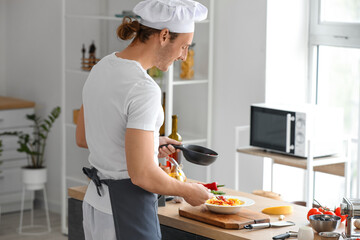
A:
x,y
143,105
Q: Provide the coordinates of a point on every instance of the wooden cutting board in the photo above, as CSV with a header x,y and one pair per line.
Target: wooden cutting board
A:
x,y
228,221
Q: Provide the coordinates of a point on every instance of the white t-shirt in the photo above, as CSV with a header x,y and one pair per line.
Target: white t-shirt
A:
x,y
118,94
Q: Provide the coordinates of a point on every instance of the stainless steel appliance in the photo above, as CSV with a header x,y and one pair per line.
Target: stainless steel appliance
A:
x,y
288,129
350,207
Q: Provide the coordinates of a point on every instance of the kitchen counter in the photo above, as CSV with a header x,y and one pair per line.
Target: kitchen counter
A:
x,y
169,217
14,103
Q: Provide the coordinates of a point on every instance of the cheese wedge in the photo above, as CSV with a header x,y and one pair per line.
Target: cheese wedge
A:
x,y
278,210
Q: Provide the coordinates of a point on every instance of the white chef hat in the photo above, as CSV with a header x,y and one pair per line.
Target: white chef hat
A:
x,y
178,16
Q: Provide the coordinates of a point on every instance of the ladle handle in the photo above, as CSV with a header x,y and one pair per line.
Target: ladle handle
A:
x,y
181,147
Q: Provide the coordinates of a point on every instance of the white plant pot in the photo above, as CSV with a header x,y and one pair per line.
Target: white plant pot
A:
x,y
34,178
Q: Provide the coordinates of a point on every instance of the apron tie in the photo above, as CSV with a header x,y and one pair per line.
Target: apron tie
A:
x,y
92,174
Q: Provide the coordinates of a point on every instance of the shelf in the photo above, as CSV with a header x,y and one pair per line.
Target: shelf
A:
x,y
97,22
189,82
331,164
112,18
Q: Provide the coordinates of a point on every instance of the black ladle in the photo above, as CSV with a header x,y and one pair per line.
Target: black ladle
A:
x,y
196,154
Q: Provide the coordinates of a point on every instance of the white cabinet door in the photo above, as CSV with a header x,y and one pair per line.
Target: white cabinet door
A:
x,y
14,118
10,181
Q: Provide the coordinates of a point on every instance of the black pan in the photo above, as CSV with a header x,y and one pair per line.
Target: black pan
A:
x,y
196,154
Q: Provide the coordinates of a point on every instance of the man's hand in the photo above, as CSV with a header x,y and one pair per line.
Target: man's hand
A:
x,y
198,194
166,151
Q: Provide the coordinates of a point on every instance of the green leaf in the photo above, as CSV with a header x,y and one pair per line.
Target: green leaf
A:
x,y
217,192
31,117
48,123
56,112
42,136
45,128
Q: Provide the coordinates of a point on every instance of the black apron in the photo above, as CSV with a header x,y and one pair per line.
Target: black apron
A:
x,y
134,209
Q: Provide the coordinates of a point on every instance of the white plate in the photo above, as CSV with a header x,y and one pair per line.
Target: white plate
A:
x,y
230,209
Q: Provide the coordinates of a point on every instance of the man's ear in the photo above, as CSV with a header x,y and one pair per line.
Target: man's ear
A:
x,y
164,36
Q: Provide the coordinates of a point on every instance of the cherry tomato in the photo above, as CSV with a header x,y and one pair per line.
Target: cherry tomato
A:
x,y
338,213
323,209
329,213
313,211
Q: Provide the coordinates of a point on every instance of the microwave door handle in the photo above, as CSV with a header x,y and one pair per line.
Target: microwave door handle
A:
x,y
289,118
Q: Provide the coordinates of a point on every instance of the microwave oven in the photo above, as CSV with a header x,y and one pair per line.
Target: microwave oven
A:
x,y
289,128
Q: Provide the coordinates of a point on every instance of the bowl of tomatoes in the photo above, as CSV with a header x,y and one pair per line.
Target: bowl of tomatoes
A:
x,y
323,210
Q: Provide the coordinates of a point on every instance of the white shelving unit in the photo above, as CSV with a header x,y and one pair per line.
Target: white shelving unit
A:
x,y
335,164
94,20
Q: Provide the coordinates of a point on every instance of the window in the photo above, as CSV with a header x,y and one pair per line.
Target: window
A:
x,y
338,83
342,11
334,65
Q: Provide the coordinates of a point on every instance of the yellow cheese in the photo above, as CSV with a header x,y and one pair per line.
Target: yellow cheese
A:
x,y
278,210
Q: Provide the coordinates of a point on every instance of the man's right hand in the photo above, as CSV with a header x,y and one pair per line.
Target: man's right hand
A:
x,y
197,194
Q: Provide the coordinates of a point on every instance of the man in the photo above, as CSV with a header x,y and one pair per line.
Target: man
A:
x,y
121,116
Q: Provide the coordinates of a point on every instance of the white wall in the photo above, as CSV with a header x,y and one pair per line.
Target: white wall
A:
x,y
239,80
3,38
33,71
287,51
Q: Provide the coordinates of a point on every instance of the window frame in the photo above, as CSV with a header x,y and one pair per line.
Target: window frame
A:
x,y
327,34
334,34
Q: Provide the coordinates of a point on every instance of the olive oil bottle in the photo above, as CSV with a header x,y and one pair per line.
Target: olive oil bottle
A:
x,y
176,136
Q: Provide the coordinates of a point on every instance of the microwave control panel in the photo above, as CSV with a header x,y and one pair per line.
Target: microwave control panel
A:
x,y
300,134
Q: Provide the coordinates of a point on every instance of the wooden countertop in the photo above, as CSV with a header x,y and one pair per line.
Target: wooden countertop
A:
x,y
169,216
14,103
337,166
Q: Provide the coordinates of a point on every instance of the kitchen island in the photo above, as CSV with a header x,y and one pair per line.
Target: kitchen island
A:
x,y
174,226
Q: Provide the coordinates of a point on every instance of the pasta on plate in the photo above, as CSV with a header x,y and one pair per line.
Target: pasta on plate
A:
x,y
222,201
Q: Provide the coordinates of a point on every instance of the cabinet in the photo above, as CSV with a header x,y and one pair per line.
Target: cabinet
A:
x,y
13,118
87,21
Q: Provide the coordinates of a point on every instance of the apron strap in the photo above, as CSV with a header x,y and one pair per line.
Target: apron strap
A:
x,y
92,174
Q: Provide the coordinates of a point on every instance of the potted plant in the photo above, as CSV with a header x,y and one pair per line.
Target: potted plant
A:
x,y
33,145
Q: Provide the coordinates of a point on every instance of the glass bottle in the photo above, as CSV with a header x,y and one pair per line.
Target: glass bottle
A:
x,y
187,66
176,136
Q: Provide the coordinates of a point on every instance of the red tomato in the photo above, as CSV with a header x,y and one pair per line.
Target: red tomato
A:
x,y
338,213
321,209
329,213
313,211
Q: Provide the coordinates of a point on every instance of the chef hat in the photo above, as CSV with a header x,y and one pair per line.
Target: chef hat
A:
x,y
176,15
